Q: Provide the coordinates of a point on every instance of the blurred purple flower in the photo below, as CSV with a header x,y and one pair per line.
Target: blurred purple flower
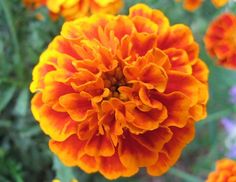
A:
x,y
232,94
230,141
232,152
229,124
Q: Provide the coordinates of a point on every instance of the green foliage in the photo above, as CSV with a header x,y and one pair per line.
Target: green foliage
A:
x,y
24,153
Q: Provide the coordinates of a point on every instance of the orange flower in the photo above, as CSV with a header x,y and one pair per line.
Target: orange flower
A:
x,y
72,9
116,93
192,5
225,171
220,40
219,3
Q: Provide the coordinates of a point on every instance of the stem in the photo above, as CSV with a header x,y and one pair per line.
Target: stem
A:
x,y
183,175
13,34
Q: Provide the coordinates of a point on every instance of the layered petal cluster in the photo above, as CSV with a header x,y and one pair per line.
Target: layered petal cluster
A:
x,y
72,9
220,40
117,93
192,5
225,171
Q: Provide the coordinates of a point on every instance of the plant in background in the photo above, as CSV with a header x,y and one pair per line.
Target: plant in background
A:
x,y
192,5
220,40
225,171
72,9
116,93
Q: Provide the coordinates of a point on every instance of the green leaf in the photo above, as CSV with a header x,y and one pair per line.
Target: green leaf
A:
x,y
5,96
22,103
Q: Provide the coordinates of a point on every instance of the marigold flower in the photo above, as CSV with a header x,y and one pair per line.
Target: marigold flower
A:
x,y
219,3
192,5
72,9
225,171
220,40
116,93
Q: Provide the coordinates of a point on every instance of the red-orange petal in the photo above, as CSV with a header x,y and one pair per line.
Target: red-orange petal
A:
x,y
77,105
57,125
69,151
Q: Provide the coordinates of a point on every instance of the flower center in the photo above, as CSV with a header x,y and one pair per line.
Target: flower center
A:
x,y
113,80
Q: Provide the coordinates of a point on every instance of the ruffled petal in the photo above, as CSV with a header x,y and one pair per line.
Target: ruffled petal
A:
x,y
99,145
36,104
76,105
69,151
133,154
112,168
172,150
57,125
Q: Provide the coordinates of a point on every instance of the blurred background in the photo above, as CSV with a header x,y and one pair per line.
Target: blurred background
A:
x,y
24,152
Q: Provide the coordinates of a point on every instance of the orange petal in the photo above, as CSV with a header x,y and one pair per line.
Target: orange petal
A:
x,y
76,105
154,77
161,166
57,125
147,120
64,46
143,42
181,137
178,106
198,112
154,140
158,57
179,60
133,154
151,75
112,168
47,64
36,104
54,91
113,117
99,145
192,5
87,64
219,3
107,7
180,37
140,10
186,84
87,128
148,99
69,150
200,71
88,163
121,27
172,150
231,61
73,30
106,61
156,16
143,24
81,79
